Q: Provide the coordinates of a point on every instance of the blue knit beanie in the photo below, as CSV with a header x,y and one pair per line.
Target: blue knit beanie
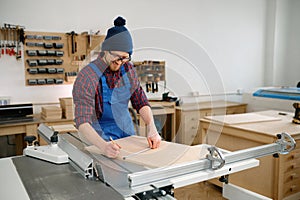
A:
x,y
118,38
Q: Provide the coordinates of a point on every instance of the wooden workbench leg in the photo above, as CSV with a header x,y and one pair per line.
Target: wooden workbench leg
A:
x,y
20,144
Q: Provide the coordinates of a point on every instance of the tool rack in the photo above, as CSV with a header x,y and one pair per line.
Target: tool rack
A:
x,y
52,58
151,73
11,37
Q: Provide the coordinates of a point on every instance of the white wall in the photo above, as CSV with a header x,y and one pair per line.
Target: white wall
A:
x,y
209,46
287,65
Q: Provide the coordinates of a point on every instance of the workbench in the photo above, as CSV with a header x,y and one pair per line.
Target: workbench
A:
x,y
188,115
276,178
20,129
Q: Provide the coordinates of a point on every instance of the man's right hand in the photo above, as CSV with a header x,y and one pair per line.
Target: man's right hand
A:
x,y
111,150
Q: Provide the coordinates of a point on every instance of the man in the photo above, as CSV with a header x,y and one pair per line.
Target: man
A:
x,y
102,91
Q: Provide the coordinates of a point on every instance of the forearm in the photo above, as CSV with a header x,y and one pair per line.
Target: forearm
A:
x,y
152,135
147,116
88,133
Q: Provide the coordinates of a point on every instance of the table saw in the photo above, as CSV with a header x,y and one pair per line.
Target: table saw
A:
x,y
89,175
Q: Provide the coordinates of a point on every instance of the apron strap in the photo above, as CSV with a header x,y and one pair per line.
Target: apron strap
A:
x,y
96,69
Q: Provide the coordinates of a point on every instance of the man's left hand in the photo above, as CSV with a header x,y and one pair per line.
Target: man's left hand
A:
x,y
154,140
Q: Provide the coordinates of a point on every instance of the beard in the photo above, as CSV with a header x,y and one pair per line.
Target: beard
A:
x,y
114,65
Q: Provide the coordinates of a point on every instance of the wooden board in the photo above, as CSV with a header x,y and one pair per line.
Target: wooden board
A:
x,y
167,154
64,128
242,118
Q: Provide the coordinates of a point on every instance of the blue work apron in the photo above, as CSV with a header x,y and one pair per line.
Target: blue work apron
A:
x,y
116,121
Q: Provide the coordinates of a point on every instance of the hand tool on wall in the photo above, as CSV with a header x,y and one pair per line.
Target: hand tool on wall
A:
x,y
6,41
148,87
12,35
42,70
59,62
32,81
86,34
14,42
154,87
32,63
0,42
73,41
20,39
56,37
31,52
90,39
59,81
50,81
3,41
58,45
10,46
48,45
39,44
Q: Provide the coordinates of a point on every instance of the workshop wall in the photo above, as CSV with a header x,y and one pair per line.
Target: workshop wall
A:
x,y
209,46
286,46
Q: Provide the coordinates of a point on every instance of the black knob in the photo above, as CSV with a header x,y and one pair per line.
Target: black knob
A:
x,y
36,143
29,139
223,179
276,155
54,137
279,136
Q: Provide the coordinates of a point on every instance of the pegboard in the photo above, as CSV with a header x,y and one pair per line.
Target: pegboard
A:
x,y
55,58
150,71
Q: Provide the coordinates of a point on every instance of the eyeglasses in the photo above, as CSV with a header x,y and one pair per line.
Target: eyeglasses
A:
x,y
119,58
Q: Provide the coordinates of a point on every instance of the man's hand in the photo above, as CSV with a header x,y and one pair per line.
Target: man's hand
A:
x,y
111,150
154,140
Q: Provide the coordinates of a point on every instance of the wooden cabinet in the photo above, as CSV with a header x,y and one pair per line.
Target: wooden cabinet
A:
x,y
188,115
276,178
289,173
22,129
164,112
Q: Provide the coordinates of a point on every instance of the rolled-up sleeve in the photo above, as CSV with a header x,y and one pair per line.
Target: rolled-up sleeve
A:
x,y
138,98
84,90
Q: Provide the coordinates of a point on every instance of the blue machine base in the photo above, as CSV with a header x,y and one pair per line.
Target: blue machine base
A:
x,y
287,93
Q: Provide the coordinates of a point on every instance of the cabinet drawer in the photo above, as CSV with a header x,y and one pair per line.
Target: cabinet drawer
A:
x,y
291,166
215,111
236,110
190,130
292,156
192,117
291,188
292,175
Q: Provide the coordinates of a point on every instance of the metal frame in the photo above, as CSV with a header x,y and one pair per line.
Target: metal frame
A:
x,y
283,145
82,162
129,179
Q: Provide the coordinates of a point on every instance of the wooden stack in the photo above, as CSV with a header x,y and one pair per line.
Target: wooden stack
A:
x,y
51,112
66,105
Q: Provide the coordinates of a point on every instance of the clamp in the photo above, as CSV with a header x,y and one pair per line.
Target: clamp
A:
x,y
286,142
217,160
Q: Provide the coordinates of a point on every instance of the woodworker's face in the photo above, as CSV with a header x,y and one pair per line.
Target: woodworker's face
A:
x,y
116,59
